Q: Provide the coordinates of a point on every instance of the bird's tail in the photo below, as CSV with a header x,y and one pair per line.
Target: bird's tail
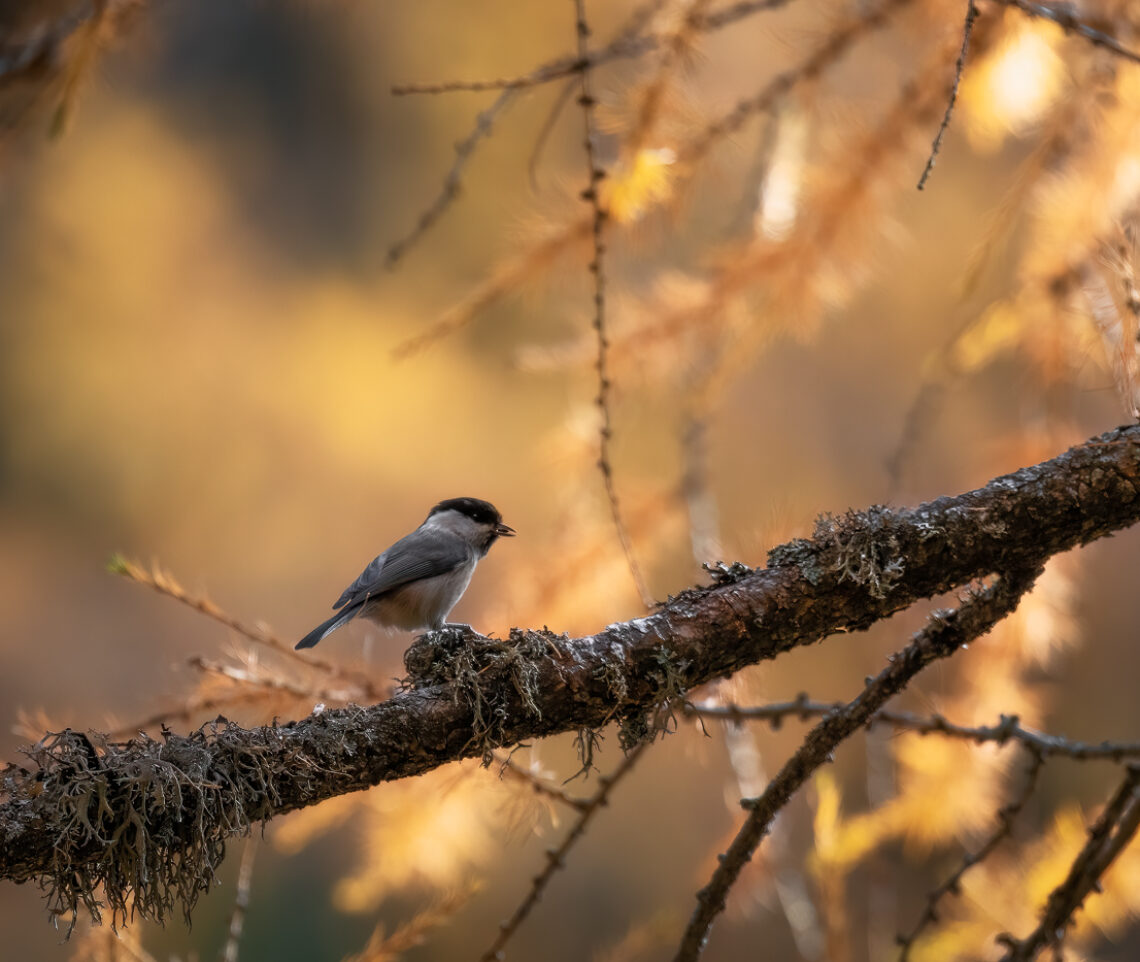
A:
x,y
326,628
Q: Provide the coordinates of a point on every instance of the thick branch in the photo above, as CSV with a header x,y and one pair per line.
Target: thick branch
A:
x,y
136,816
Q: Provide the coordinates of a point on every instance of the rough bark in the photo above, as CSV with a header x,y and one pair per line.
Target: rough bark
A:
x,y
149,818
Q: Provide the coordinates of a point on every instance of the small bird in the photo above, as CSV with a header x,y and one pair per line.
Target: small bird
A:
x,y
417,581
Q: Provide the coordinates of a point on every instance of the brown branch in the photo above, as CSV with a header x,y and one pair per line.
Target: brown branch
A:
x,y
77,816
838,42
959,66
629,44
546,130
556,857
1107,839
1007,814
943,635
452,183
540,785
592,195
1063,16
163,583
1008,728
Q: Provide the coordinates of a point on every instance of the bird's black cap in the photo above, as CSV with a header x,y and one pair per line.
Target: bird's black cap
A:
x,y
478,510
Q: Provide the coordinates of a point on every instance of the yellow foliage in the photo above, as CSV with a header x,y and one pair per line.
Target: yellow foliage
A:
x,y
411,837
1013,86
996,332
427,833
384,947
639,184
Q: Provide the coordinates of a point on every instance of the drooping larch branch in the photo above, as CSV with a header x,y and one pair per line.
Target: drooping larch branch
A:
x,y
149,819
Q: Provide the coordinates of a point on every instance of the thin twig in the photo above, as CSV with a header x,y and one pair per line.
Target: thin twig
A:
x,y
1007,814
452,183
943,635
546,129
504,279
555,857
629,44
836,44
1063,16
271,683
1122,817
484,122
592,195
195,707
971,16
625,48
241,901
163,582
1008,728
540,785
675,42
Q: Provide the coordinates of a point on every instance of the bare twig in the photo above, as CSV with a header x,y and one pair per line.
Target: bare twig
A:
x,y
592,195
1067,20
163,582
836,44
1007,814
971,16
194,708
503,280
540,785
452,183
1107,839
944,634
555,857
241,901
1008,728
629,44
547,128
676,42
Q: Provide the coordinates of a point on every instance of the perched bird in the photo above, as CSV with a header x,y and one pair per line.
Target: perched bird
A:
x,y
417,581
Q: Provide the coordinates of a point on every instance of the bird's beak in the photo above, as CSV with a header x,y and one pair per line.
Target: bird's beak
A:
x,y
504,530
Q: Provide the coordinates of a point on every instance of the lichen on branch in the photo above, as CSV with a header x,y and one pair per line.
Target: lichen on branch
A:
x,y
148,820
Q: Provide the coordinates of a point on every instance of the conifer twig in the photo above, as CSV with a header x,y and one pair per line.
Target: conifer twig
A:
x,y
971,16
1007,814
1007,729
556,857
592,195
1108,837
452,183
1062,14
165,584
628,45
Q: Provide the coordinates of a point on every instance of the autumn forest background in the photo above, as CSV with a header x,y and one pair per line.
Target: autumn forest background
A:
x,y
259,311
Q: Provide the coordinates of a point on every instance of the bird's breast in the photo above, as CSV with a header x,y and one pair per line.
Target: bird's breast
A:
x,y
421,604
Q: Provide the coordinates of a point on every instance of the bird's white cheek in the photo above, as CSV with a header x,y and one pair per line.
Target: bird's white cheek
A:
x,y
425,604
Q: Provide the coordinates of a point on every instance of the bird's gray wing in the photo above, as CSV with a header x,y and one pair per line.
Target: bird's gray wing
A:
x,y
421,554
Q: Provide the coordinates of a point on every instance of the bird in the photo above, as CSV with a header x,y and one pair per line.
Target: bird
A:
x,y
419,579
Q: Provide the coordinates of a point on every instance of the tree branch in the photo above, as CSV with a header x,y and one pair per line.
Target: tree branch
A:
x,y
1109,836
149,819
943,635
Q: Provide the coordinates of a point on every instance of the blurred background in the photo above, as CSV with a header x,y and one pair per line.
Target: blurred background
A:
x,y
210,362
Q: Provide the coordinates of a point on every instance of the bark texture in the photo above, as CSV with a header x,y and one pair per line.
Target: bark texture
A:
x,y
149,819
